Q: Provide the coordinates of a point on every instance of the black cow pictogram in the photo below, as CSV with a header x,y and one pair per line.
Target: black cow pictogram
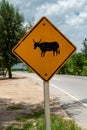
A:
x,y
47,46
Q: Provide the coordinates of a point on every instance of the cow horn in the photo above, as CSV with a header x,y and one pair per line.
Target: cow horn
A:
x,y
40,41
33,40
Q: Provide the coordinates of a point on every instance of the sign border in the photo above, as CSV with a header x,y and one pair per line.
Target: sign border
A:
x,y
26,35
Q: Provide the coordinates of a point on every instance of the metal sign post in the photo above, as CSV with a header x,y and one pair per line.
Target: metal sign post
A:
x,y
47,105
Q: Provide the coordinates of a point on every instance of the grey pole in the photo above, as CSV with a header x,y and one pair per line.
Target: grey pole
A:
x,y
47,105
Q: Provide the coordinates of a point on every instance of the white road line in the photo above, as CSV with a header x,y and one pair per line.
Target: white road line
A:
x,y
84,104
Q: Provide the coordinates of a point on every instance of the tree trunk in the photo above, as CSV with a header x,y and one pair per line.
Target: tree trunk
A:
x,y
9,72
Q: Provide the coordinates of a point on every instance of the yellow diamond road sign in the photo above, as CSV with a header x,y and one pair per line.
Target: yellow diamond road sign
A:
x,y
45,49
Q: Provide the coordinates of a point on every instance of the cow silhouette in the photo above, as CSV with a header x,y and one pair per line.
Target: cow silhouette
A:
x,y
47,46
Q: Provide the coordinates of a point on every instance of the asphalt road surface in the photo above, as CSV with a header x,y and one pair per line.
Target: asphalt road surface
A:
x,y
71,92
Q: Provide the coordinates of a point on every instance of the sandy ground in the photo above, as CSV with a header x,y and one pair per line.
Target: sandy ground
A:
x,y
27,93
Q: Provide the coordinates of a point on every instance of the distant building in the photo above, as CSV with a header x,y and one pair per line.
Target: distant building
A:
x,y
19,66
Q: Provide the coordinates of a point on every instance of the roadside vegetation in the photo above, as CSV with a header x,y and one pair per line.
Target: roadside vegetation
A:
x,y
12,29
35,121
77,64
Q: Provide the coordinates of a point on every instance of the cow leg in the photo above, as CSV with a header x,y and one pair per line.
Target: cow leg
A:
x,y
53,53
58,51
41,54
44,53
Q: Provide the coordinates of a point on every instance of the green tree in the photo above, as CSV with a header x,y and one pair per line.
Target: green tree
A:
x,y
68,67
64,69
11,31
79,62
84,50
76,65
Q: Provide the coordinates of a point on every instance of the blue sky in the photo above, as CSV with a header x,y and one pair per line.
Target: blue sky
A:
x,y
69,16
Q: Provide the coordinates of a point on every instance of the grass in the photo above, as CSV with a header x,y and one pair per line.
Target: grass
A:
x,y
15,107
36,122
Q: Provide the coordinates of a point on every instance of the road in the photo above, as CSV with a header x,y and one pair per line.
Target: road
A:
x,y
71,92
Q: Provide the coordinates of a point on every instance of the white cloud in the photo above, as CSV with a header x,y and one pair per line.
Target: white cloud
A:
x,y
60,7
77,20
18,2
70,16
83,15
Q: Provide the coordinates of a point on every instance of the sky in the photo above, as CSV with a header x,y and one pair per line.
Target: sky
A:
x,y
69,16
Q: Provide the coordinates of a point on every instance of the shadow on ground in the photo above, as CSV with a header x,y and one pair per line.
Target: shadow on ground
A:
x,y
6,78
74,107
9,111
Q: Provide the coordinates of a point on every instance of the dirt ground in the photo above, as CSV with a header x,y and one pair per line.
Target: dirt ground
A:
x,y
26,92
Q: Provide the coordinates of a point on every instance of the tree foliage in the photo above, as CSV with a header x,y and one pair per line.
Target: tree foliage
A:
x,y
11,31
84,50
77,64
79,59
